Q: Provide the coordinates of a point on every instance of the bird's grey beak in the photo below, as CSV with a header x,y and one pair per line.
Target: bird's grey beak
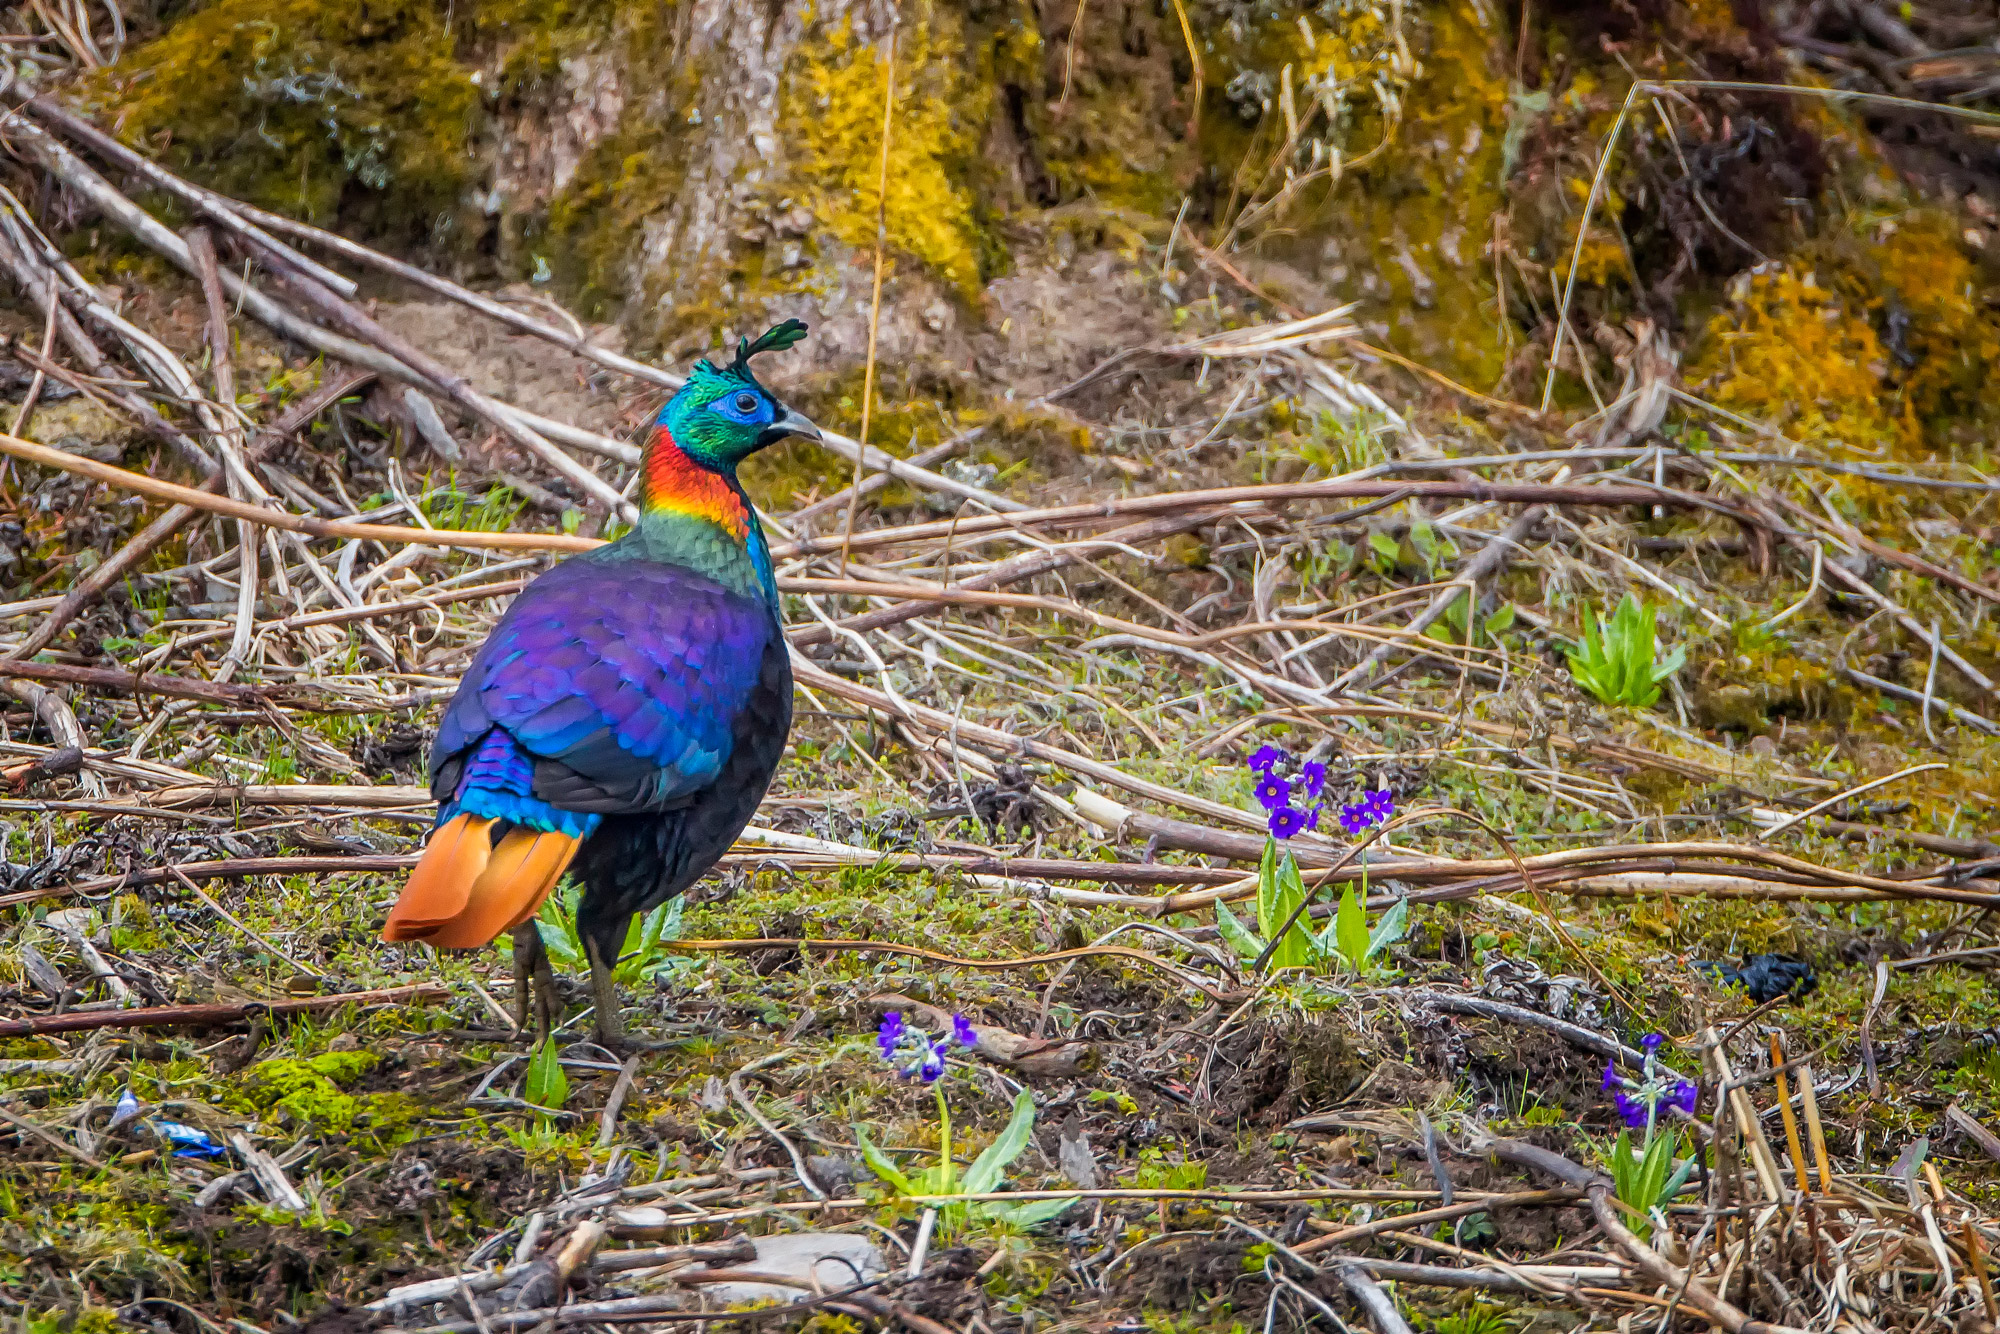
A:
x,y
790,423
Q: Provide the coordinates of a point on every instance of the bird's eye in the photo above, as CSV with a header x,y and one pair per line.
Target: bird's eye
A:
x,y
746,402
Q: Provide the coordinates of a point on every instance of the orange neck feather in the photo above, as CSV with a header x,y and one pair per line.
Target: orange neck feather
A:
x,y
676,484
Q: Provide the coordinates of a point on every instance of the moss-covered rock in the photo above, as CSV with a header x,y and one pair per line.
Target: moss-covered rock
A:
x,y
348,109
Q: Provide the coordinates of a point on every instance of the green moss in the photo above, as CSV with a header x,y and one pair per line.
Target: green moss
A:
x,y
594,224
309,1093
331,109
833,101
1422,172
533,36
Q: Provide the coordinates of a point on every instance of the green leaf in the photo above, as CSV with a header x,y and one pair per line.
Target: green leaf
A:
x,y
641,955
1033,1212
1458,616
878,1163
1280,894
1350,928
1267,887
1501,620
548,1086
1385,547
1616,659
1236,935
1425,539
1390,928
1670,664
987,1168
557,926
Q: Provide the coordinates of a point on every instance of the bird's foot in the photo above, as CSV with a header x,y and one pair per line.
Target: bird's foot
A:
x,y
533,979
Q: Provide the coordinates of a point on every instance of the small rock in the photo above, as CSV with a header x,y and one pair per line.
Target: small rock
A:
x,y
826,1259
713,1097
1078,1163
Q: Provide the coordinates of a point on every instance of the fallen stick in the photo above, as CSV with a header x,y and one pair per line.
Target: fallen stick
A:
x,y
1024,566
1176,971
1490,1280
667,1307
1603,495
203,201
175,494
105,678
207,1016
253,227
1370,1297
50,1138
371,611
1574,1034
238,866
1445,1213
455,388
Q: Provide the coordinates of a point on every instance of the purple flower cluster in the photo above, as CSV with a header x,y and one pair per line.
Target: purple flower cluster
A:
x,y
1373,808
1276,792
1653,1090
1292,795
914,1053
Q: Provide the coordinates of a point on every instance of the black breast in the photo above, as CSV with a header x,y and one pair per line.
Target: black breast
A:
x,y
634,863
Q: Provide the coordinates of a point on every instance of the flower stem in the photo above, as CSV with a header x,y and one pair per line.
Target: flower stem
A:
x,y
948,1174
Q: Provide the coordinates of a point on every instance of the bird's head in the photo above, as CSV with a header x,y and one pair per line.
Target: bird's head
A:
x,y
722,415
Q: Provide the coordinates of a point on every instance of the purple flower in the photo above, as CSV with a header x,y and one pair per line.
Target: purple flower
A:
x,y
1683,1097
1312,816
1371,810
1611,1079
961,1031
1286,821
1312,777
1634,1110
1273,793
913,1053
1651,1042
930,1065
1266,759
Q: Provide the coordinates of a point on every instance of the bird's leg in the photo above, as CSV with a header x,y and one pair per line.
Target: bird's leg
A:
x,y
610,1023
532,974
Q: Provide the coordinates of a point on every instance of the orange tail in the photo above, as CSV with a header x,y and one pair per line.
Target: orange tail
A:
x,y
506,890
441,884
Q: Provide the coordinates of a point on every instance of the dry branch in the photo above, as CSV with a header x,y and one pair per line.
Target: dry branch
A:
x,y
208,1016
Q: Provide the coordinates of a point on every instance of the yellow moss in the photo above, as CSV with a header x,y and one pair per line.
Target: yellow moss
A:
x,y
1793,354
1601,260
1712,18
833,104
1418,218
535,35
1951,340
299,104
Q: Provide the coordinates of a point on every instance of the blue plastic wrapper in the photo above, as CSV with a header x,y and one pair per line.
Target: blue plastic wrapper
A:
x,y
188,1142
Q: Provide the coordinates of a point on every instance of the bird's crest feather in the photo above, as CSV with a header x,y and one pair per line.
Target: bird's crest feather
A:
x,y
778,338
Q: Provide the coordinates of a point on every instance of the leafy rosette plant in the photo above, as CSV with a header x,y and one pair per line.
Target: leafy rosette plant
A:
x,y
1646,1178
1293,795
915,1054
1616,660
